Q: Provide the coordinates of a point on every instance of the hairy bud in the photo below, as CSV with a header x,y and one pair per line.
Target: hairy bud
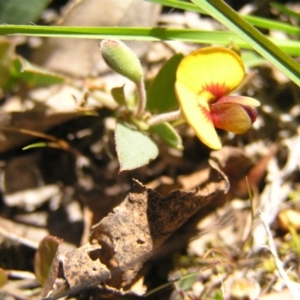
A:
x,y
121,59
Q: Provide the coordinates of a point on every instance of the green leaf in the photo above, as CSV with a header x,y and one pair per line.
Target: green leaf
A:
x,y
14,69
46,262
21,11
168,134
33,75
134,148
219,10
22,71
119,95
161,95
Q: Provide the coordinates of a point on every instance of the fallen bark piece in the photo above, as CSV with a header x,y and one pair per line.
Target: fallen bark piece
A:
x,y
144,220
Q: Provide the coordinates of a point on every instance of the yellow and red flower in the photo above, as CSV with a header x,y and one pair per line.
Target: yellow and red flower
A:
x,y
204,80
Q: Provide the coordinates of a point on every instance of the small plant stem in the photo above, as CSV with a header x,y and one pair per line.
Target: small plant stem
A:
x,y
166,117
142,98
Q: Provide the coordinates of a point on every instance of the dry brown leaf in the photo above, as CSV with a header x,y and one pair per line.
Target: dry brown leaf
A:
x,y
143,222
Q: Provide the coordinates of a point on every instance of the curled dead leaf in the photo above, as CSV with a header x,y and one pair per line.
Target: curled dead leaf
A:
x,y
143,222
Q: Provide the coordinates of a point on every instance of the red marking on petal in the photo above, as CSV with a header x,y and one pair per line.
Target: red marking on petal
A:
x,y
206,113
217,89
216,115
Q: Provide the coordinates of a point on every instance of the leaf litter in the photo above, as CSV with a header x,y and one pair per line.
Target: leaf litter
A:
x,y
174,222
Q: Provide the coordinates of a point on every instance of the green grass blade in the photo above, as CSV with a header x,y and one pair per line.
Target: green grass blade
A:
x,y
226,15
145,34
272,25
255,21
285,10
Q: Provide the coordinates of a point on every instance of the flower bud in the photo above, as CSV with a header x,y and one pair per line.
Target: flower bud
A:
x,y
121,59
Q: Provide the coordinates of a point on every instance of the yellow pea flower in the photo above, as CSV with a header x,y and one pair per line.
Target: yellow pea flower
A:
x,y
204,80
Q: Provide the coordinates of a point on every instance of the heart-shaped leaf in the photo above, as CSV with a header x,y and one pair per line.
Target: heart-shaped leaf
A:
x,y
134,148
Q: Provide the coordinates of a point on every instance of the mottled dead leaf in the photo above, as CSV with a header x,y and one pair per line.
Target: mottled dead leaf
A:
x,y
143,222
